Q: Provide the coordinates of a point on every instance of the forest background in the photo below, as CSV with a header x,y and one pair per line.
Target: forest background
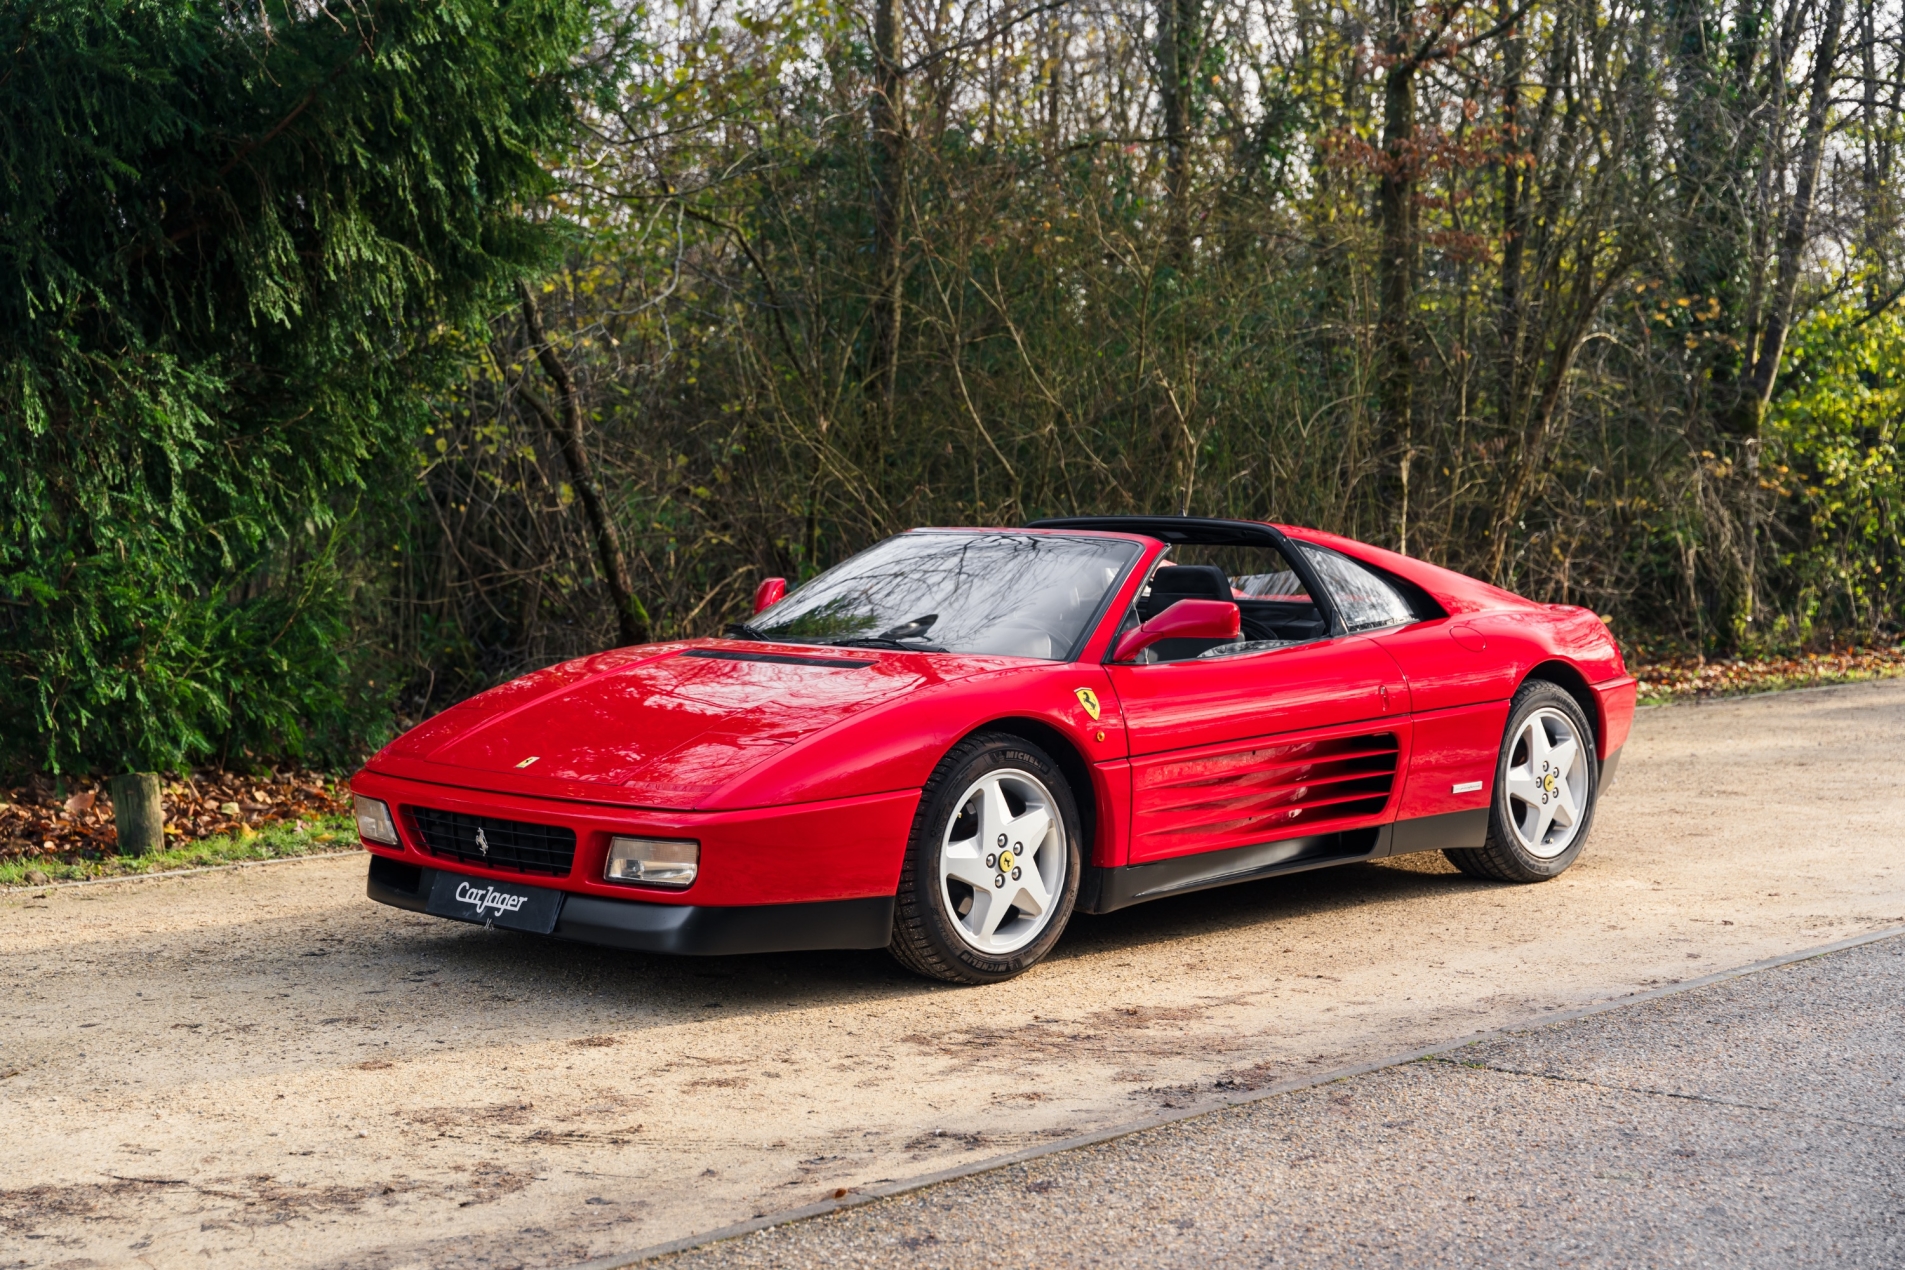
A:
x,y
356,356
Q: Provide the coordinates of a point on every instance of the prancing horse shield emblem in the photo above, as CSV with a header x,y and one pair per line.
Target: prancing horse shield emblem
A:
x,y
482,843
1088,699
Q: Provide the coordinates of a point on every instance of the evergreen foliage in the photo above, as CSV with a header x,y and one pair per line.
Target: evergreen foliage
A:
x,y
237,241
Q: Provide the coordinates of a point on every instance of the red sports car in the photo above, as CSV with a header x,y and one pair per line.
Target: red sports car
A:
x,y
949,743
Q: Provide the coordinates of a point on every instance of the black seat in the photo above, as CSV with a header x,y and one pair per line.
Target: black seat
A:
x,y
1183,582
1175,582
1291,619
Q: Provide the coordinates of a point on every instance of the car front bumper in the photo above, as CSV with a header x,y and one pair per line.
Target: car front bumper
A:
x,y
688,929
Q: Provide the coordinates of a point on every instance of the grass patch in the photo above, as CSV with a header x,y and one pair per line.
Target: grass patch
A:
x,y
329,835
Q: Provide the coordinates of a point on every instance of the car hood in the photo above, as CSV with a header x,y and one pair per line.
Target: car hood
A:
x,y
662,727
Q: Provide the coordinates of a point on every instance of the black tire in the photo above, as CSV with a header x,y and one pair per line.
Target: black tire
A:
x,y
926,939
1504,856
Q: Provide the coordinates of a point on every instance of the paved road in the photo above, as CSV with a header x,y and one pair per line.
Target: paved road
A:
x,y
1759,1121
262,1068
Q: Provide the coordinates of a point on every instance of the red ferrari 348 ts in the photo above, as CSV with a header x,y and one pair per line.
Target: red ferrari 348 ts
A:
x,y
949,743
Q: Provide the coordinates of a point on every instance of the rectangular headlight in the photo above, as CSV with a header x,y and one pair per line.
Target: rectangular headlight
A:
x,y
373,820
666,862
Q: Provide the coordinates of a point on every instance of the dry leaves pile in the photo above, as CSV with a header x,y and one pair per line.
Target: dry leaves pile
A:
x,y
1675,678
36,821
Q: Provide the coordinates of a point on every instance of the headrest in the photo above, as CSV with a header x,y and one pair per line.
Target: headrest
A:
x,y
1184,582
1191,581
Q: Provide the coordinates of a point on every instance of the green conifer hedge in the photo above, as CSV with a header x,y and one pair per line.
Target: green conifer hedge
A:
x,y
237,243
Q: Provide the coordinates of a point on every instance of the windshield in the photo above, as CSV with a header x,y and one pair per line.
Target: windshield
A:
x,y
1021,595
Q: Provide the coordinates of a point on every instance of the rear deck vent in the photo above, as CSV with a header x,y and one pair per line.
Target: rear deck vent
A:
x,y
495,844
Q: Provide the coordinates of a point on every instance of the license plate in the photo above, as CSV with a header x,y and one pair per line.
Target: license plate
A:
x,y
505,904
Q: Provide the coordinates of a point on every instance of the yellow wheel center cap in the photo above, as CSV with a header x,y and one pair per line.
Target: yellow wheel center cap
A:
x,y
1005,861
1547,782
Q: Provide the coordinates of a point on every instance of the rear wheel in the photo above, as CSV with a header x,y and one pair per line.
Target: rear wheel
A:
x,y
1546,779
991,872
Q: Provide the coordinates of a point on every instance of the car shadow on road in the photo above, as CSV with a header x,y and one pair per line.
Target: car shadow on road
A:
x,y
1243,905
672,990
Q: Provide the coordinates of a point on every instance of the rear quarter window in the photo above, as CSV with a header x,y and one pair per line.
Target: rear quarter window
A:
x,y
1364,600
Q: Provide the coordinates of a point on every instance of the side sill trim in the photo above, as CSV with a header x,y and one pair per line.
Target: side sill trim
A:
x,y
1451,831
697,930
1105,890
1609,766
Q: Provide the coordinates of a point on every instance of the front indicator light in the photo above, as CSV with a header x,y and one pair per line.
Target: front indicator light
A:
x,y
373,820
669,862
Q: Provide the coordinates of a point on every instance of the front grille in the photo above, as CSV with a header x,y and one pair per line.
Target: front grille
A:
x,y
505,844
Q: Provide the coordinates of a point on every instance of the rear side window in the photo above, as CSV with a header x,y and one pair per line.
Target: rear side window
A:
x,y
1364,601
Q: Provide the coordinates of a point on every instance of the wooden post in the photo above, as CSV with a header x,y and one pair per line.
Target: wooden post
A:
x,y
137,813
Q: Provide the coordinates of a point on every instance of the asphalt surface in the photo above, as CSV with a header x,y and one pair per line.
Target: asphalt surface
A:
x,y
1758,1121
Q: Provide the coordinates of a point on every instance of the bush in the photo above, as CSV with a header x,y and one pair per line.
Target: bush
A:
x,y
235,242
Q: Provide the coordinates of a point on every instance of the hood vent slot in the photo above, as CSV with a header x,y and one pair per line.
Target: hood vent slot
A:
x,y
781,659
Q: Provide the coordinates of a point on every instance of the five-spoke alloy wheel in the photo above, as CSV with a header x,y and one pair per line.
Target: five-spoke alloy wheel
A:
x,y
1546,779
1547,783
992,870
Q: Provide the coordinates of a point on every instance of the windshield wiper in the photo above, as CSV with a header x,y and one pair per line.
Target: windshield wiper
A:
x,y
741,630
909,630
880,641
906,637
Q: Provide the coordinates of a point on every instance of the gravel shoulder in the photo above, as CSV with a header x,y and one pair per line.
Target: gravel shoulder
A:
x,y
263,1067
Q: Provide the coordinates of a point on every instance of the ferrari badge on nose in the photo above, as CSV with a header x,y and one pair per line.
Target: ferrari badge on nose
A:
x,y
1088,699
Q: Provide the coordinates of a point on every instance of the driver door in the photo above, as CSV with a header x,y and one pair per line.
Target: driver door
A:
x,y
1241,750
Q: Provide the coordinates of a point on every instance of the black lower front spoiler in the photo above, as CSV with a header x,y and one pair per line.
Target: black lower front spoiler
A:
x,y
689,929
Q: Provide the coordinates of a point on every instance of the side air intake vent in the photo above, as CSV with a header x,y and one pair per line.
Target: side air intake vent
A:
x,y
1275,791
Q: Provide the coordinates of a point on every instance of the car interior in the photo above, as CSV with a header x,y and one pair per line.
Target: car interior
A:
x,y
1274,608
1240,563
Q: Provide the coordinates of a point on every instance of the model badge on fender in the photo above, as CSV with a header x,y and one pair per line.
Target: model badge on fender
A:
x,y
1088,699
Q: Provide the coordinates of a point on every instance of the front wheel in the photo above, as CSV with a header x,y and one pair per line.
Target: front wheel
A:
x,y
1546,778
991,872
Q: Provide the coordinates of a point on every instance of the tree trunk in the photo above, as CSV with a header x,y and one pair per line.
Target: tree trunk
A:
x,y
1178,28
1395,274
137,813
1871,192
1714,117
1514,235
1532,446
565,421
1798,226
889,193
1056,49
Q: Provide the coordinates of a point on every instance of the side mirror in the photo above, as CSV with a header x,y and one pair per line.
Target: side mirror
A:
x,y
1187,619
769,593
